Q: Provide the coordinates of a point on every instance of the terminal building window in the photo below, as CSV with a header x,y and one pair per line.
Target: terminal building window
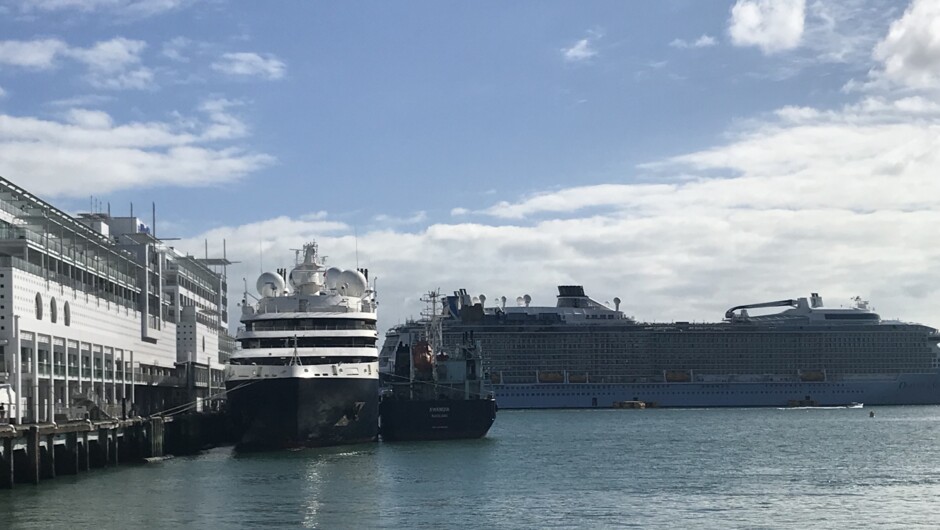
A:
x,y
38,306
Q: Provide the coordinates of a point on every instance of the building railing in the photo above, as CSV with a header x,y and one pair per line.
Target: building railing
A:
x,y
32,268
69,253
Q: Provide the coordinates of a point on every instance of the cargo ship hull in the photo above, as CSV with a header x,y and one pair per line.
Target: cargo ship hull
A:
x,y
284,413
438,419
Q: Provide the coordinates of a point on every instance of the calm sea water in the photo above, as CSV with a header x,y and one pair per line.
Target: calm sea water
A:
x,y
751,468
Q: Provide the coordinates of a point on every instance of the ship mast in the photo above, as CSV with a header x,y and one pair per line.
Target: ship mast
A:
x,y
432,318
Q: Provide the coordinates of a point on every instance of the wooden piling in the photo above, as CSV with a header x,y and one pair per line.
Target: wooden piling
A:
x,y
70,466
7,469
84,455
48,463
33,456
103,447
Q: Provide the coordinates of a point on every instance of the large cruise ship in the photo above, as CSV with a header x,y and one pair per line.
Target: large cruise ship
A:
x,y
582,354
306,372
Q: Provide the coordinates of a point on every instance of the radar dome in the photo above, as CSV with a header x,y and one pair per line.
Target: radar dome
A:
x,y
519,301
270,284
617,303
301,276
482,298
527,299
332,277
352,283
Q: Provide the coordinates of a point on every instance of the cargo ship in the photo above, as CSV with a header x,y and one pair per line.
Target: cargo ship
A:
x,y
433,393
581,353
306,371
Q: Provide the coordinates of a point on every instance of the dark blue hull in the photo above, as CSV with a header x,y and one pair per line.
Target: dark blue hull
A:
x,y
906,389
437,419
295,412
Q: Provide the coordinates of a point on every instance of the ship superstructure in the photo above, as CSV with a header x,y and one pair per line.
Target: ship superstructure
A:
x,y
306,371
582,353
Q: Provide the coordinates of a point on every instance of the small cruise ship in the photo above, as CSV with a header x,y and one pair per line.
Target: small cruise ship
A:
x,y
306,371
581,353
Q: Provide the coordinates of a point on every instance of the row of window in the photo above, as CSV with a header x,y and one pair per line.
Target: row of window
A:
x,y
309,342
54,311
309,324
304,361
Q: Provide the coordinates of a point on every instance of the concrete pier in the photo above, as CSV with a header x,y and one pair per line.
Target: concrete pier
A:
x,y
32,453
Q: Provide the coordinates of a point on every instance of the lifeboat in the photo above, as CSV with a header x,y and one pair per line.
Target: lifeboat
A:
x,y
551,377
812,375
421,356
577,378
678,376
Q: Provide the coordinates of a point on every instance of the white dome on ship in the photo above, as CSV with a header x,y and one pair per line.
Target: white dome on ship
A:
x,y
331,277
352,283
303,276
270,284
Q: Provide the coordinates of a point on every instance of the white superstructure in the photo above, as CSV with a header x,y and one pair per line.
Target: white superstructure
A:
x,y
324,326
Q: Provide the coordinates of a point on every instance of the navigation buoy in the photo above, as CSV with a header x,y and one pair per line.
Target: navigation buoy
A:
x,y
871,414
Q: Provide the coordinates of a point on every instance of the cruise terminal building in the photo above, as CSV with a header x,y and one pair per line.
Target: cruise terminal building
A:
x,y
99,318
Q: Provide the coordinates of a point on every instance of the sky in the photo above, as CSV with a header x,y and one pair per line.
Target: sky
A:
x,y
684,156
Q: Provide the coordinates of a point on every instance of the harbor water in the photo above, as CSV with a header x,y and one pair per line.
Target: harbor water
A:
x,y
659,468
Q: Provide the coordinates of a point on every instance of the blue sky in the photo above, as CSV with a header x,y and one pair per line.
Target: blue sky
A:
x,y
686,156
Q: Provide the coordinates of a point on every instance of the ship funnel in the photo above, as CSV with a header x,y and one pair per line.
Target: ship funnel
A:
x,y
527,299
482,298
616,304
815,300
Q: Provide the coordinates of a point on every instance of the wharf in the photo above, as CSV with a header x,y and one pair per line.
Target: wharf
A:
x,y
30,453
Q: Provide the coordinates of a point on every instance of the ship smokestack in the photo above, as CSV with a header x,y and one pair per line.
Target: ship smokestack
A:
x,y
815,300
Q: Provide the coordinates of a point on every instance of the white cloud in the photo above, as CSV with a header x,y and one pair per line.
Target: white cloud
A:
x,y
250,64
580,51
389,220
173,49
84,100
125,8
112,64
3,93
36,54
910,53
771,25
115,64
86,150
705,41
110,56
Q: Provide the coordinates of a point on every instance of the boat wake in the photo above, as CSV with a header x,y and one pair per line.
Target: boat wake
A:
x,y
833,407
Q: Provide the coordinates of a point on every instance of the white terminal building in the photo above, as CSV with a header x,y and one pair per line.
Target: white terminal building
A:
x,y
99,317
